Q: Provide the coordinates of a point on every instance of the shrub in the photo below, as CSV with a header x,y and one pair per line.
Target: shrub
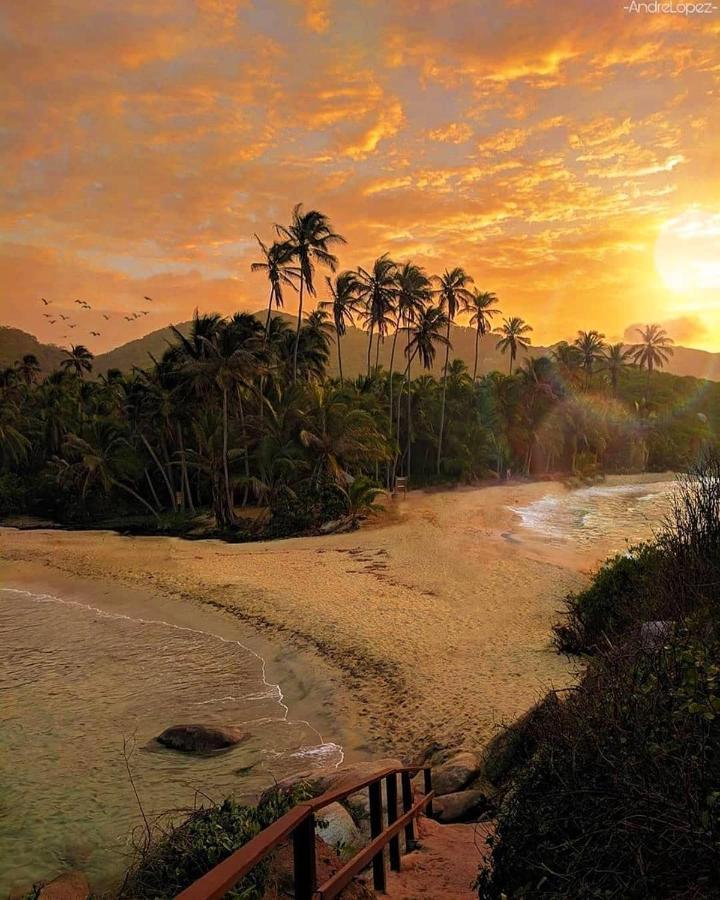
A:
x,y
176,856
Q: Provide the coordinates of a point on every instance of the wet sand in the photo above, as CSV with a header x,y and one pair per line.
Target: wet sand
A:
x,y
432,624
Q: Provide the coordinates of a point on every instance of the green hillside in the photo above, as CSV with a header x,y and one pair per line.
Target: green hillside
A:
x,y
14,344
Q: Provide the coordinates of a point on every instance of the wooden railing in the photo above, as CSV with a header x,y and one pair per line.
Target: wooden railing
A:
x,y
299,824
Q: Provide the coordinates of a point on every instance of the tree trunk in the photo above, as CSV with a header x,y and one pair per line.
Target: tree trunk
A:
x,y
442,405
392,363
267,320
337,338
129,490
152,489
243,432
162,471
226,469
297,332
477,348
184,469
377,351
369,349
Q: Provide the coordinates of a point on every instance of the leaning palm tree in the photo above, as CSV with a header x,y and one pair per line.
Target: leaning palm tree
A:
x,y
482,309
78,358
591,346
343,306
309,238
455,296
279,273
376,291
28,368
653,350
512,338
616,361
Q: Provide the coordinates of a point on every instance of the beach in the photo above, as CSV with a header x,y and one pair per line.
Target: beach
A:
x,y
432,623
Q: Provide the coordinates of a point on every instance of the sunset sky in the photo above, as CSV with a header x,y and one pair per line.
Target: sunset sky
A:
x,y
566,154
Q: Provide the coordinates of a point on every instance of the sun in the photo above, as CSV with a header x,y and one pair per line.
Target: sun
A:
x,y
687,252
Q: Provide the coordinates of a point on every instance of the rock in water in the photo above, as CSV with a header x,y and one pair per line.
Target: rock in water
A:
x,y
200,738
68,886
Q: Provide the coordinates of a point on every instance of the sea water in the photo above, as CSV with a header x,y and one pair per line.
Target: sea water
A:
x,y
83,691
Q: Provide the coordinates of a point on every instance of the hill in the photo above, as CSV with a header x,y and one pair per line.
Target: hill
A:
x,y
14,344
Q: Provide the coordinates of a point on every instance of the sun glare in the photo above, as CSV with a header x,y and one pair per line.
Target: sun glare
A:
x,y
687,251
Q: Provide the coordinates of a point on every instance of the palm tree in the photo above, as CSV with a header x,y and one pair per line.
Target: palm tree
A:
x,y
309,239
413,293
427,332
513,333
654,349
279,273
28,368
591,346
78,358
376,290
455,296
482,309
568,360
343,306
616,361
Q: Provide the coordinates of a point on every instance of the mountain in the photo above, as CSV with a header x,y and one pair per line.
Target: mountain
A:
x,y
14,343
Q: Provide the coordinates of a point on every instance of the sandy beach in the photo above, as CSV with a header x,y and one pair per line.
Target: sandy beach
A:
x,y
432,623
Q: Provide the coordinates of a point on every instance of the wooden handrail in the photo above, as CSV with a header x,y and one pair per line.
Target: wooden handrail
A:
x,y
299,823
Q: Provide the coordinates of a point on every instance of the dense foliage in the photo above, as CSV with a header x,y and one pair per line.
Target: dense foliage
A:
x,y
172,858
621,794
240,419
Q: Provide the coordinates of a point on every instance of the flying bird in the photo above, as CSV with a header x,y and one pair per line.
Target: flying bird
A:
x,y
47,315
145,312
129,318
46,302
96,333
148,298
53,321
73,326
64,318
106,317
79,301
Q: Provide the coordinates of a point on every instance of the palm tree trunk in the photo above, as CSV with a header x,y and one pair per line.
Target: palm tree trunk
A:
x,y
267,320
162,471
129,490
297,331
337,339
184,469
226,469
477,348
442,405
369,349
152,489
377,351
392,363
243,432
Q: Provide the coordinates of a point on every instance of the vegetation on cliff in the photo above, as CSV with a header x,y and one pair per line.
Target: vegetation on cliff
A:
x,y
620,794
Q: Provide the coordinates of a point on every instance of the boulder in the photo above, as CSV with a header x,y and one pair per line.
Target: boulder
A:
x,y
318,781
462,805
337,829
200,738
456,773
68,886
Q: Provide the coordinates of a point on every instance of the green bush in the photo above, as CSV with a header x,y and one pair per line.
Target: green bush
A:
x,y
12,494
619,595
175,857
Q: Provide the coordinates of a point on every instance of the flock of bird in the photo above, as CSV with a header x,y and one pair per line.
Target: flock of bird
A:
x,y
55,318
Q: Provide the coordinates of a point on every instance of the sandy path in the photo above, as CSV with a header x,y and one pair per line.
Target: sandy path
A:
x,y
438,620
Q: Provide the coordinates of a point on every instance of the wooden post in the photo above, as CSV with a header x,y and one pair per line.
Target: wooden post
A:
x,y
407,803
376,827
304,859
392,804
428,787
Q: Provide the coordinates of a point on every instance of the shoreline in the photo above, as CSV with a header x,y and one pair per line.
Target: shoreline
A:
x,y
432,624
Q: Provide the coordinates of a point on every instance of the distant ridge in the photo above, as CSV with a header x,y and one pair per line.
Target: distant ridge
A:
x,y
14,343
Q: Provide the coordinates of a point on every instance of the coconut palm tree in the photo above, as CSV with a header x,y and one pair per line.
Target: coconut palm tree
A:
x,y
28,369
427,333
616,358
482,309
412,295
343,306
591,346
653,350
79,358
455,296
309,239
279,273
513,333
376,291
